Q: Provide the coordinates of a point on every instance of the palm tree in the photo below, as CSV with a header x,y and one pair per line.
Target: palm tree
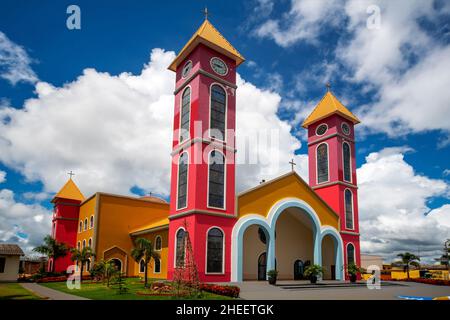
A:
x,y
107,269
82,256
52,249
144,250
408,259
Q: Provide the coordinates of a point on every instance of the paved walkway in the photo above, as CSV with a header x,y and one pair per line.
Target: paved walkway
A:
x,y
48,293
261,290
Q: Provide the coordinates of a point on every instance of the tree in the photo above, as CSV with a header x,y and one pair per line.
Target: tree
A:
x,y
52,249
105,269
408,259
445,258
143,250
82,256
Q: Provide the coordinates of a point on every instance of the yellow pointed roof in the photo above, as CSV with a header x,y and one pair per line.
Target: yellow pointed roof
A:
x,y
328,106
212,38
69,191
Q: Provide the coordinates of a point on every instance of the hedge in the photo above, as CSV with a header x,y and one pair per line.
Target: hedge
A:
x,y
229,291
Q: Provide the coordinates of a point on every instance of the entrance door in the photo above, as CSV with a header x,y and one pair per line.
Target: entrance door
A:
x,y
298,269
333,272
262,266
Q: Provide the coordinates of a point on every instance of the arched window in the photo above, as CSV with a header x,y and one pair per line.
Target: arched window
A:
x,y
214,257
90,243
142,266
157,265
322,163
218,112
92,222
348,209
180,249
88,265
84,244
117,263
185,114
216,183
81,226
85,224
78,245
182,181
158,243
350,254
346,160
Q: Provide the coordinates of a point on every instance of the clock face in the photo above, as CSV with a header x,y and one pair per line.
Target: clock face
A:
x,y
219,66
320,131
186,69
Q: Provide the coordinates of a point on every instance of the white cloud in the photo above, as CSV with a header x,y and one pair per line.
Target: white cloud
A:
x,y
15,62
21,223
393,207
2,176
304,21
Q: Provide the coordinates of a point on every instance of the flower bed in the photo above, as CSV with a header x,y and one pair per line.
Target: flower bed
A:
x,y
436,282
229,291
58,279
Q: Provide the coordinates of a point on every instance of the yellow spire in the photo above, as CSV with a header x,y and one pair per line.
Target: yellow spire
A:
x,y
327,106
69,191
209,36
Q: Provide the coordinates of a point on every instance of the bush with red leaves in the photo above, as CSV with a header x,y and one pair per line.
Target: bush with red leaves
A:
x,y
229,291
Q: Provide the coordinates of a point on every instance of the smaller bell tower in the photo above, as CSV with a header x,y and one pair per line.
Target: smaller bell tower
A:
x,y
66,209
332,166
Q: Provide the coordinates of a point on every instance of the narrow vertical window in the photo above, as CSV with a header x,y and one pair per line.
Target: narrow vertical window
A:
x,y
215,251
346,160
182,181
180,250
158,243
142,266
185,114
85,224
157,265
84,244
92,222
322,163
216,184
348,209
90,243
81,226
218,112
350,254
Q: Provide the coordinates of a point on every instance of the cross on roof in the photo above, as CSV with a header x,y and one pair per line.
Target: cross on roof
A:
x,y
328,85
70,174
292,163
206,13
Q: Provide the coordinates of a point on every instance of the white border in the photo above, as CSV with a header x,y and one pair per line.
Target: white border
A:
x,y
226,112
175,249
185,76
224,182
187,180
320,135
181,113
343,163
345,211
223,251
226,66
328,164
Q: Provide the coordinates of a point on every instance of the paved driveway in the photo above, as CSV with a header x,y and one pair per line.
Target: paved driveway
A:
x,y
261,290
50,294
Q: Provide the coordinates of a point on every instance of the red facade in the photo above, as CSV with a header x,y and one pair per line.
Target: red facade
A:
x,y
333,190
64,229
197,214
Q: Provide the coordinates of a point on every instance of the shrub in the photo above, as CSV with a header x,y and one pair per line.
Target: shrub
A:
x,y
229,291
436,282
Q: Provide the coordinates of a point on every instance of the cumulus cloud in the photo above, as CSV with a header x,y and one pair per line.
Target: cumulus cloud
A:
x,y
304,21
393,207
15,62
21,223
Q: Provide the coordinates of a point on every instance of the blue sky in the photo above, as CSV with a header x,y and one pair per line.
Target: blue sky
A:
x,y
393,77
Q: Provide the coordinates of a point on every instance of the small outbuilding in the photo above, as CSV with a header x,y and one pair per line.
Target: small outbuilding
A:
x,y
9,261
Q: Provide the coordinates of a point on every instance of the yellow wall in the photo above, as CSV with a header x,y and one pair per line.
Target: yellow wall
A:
x,y
118,216
87,210
164,234
399,275
260,200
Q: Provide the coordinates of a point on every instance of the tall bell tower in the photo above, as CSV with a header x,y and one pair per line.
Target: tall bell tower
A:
x,y
202,191
332,166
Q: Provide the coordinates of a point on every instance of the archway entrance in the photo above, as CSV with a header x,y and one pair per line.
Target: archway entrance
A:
x,y
294,243
262,266
117,264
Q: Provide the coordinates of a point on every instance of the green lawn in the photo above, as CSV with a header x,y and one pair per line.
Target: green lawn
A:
x,y
14,291
98,291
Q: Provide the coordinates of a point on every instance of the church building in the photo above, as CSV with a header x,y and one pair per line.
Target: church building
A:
x,y
284,224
